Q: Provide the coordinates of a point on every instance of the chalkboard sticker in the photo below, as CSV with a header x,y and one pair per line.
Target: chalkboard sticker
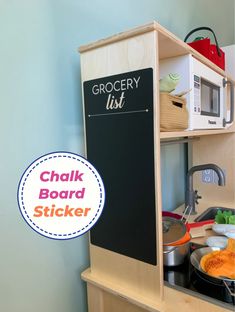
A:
x,y
120,144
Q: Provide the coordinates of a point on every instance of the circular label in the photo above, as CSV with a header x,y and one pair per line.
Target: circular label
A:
x,y
61,195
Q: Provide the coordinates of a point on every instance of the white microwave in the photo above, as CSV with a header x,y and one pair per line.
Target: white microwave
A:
x,y
207,100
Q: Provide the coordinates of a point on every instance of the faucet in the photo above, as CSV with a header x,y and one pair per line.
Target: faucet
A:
x,y
191,196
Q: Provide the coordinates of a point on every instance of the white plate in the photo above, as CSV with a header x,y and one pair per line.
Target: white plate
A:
x,y
217,241
230,233
223,228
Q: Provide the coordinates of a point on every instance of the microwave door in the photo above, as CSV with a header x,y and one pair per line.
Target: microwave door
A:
x,y
210,99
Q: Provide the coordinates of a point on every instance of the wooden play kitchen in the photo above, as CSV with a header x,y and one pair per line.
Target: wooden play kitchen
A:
x,y
120,82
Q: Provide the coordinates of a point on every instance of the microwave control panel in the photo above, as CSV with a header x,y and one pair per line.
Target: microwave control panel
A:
x,y
197,95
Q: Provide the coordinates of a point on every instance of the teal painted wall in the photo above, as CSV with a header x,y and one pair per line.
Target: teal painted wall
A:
x,y
41,111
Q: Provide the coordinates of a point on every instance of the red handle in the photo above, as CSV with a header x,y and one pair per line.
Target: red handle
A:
x,y
199,224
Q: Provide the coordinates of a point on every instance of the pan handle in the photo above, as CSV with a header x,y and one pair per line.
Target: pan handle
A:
x,y
168,251
228,289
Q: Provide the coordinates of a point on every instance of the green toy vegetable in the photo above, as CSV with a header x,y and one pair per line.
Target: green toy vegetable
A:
x,y
225,217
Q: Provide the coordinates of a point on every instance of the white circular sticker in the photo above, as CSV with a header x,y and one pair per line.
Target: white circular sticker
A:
x,y
61,195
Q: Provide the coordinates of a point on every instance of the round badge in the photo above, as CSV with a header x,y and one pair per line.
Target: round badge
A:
x,y
61,195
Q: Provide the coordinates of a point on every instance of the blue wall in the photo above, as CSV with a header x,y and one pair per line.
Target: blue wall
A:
x,y
41,111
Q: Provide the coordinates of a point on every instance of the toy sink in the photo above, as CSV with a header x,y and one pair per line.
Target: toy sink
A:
x,y
211,212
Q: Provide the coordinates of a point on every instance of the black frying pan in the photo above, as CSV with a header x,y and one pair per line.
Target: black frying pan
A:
x,y
195,259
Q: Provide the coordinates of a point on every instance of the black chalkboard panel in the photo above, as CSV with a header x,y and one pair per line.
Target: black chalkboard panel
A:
x,y
120,144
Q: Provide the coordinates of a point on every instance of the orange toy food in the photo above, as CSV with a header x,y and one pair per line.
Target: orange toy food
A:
x,y
220,263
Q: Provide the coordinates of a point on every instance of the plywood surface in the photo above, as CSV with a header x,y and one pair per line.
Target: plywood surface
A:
x,y
174,300
142,278
219,150
126,293
124,56
103,299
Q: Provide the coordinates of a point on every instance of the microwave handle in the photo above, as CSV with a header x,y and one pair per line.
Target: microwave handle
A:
x,y
225,82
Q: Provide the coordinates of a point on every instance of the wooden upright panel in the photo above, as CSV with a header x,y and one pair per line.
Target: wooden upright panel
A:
x,y
122,141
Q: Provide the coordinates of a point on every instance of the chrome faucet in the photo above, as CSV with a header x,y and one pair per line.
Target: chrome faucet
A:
x,y
191,196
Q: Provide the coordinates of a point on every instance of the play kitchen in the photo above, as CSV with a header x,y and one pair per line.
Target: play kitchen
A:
x,y
140,255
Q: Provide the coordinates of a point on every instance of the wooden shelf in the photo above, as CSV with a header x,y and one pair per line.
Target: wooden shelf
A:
x,y
180,134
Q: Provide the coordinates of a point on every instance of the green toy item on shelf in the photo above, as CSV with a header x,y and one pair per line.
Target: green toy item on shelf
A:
x,y
169,82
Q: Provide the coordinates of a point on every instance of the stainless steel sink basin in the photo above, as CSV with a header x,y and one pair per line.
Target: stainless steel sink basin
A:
x,y
211,212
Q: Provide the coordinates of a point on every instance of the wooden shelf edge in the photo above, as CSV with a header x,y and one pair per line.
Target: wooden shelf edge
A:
x,y
193,133
127,294
164,34
119,36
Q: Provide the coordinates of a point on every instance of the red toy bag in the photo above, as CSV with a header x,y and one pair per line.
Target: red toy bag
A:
x,y
204,46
